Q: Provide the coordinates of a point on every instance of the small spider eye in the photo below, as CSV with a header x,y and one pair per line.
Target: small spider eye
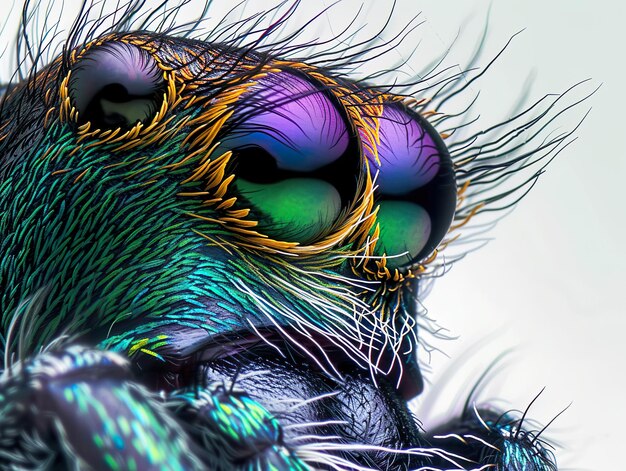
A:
x,y
116,85
416,188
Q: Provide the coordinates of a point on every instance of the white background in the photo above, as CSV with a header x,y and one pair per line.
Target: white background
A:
x,y
550,283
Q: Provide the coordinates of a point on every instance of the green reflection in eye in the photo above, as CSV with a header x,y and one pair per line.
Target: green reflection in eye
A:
x,y
295,209
404,227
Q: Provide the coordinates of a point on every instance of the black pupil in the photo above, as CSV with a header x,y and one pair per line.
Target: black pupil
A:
x,y
114,107
256,165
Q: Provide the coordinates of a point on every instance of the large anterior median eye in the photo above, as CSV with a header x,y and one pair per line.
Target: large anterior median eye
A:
x,y
116,85
296,165
416,188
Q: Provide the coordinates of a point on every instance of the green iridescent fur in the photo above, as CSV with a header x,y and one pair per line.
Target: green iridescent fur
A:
x,y
131,240
116,218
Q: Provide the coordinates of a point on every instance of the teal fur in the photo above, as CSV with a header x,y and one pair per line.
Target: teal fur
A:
x,y
136,245
73,394
233,427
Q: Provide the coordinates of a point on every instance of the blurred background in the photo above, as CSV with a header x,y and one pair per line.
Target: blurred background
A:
x,y
549,284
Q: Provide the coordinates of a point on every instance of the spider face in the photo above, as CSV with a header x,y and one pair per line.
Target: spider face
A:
x,y
250,232
207,211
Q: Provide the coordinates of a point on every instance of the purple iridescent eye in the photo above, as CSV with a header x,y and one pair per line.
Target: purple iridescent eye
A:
x,y
297,165
416,188
116,85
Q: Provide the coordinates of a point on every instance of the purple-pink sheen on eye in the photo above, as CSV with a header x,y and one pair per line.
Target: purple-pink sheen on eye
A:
x,y
408,155
291,119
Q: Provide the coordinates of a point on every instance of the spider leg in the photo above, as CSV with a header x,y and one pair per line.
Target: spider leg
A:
x,y
494,440
80,409
235,431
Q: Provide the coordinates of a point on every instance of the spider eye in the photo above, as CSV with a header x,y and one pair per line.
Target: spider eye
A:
x,y
416,188
295,166
116,85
